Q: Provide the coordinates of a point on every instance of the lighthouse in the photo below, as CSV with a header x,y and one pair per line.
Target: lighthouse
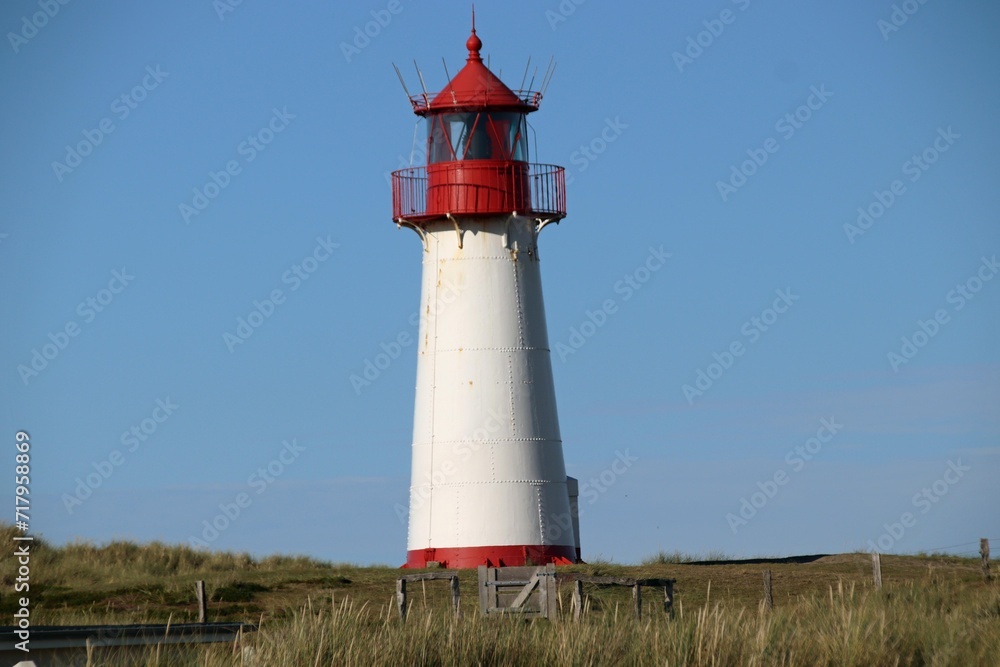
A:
x,y
489,484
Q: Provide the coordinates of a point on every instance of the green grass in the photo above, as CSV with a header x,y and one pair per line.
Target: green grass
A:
x,y
932,611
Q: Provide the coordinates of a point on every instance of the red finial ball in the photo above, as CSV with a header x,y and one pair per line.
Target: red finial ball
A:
x,y
474,44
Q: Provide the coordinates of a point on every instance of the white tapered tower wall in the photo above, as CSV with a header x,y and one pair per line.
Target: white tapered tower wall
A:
x,y
488,467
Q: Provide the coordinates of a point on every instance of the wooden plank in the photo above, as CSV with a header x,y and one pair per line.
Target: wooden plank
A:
x,y
483,594
516,573
668,598
525,593
877,569
429,576
984,553
637,599
494,594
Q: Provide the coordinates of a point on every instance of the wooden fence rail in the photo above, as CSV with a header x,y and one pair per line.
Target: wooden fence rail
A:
x,y
450,576
530,590
635,584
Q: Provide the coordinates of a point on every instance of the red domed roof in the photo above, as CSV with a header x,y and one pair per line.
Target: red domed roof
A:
x,y
476,87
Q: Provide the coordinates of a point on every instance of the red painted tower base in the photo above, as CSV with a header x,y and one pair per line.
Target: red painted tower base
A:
x,y
507,556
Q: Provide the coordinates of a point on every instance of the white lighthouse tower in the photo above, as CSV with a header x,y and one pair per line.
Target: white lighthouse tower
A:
x,y
489,484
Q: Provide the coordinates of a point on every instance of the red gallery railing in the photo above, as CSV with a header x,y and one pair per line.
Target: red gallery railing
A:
x,y
478,187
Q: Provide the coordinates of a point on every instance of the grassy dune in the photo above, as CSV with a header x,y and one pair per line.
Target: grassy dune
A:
x,y
932,611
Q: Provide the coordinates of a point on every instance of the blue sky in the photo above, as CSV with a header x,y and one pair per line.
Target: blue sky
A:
x,y
742,138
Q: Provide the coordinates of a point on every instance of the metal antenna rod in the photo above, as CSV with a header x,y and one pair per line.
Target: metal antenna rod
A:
x,y
525,72
533,78
420,75
453,98
551,76
402,83
548,69
545,77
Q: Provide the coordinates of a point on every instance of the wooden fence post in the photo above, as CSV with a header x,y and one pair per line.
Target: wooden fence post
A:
x,y
637,598
199,590
549,594
984,551
668,599
455,598
401,598
768,596
877,569
577,604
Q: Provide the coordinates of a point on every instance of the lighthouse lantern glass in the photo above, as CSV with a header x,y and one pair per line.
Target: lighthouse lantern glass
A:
x,y
496,135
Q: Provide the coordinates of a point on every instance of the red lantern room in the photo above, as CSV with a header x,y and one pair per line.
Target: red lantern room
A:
x,y
477,153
